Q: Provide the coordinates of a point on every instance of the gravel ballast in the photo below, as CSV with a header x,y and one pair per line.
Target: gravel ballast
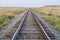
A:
x,y
7,31
50,27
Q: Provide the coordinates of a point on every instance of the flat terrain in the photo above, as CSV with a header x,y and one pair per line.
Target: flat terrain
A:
x,y
7,14
9,19
50,14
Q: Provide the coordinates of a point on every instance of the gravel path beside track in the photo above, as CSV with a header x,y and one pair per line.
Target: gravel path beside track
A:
x,y
8,30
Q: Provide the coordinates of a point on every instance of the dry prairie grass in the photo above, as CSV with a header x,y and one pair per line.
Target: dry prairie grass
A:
x,y
52,16
7,14
47,11
9,11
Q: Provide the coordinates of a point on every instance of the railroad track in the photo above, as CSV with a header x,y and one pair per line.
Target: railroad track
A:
x,y
31,29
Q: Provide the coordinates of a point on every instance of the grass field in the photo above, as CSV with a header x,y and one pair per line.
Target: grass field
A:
x,y
53,20
6,14
52,16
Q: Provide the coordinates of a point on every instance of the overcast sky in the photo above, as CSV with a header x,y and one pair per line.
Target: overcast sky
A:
x,y
28,3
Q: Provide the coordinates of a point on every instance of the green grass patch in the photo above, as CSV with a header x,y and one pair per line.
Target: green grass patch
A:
x,y
8,13
50,17
53,20
4,19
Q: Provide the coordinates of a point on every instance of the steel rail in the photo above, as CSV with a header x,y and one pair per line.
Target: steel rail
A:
x,y
20,26
41,27
37,20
